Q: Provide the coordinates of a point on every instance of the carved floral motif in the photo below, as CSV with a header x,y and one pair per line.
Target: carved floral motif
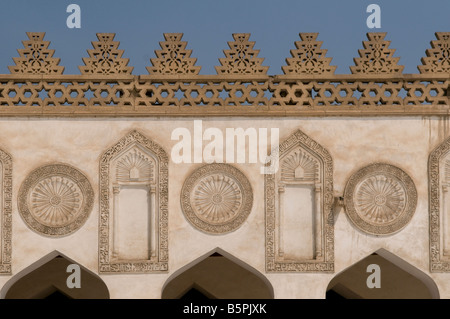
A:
x,y
55,200
380,199
217,198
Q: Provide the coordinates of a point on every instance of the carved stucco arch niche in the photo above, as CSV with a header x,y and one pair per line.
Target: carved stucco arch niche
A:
x,y
5,212
133,234
380,199
298,208
55,200
216,198
439,206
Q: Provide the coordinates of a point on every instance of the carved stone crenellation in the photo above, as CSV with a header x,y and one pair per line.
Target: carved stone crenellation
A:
x,y
241,87
217,198
241,58
36,57
306,166
438,57
376,57
380,199
55,200
105,58
6,167
134,162
308,58
174,58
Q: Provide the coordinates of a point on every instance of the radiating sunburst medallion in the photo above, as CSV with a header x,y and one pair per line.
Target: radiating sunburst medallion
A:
x,y
217,198
55,200
380,199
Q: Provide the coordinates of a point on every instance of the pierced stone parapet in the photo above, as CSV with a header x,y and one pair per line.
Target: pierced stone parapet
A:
x,y
309,86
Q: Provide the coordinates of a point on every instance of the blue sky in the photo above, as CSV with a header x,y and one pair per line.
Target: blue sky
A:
x,y
208,25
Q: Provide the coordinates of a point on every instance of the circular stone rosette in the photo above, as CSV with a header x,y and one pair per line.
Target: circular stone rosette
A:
x,y
217,198
380,199
55,200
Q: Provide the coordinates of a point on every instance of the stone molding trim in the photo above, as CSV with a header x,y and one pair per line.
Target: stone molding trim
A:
x,y
438,263
324,262
380,199
216,198
159,262
6,213
55,200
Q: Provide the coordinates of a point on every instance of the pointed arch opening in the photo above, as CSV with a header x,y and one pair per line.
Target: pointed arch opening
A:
x,y
397,279
47,279
217,275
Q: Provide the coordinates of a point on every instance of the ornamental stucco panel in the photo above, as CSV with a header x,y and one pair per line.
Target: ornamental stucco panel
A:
x,y
380,199
298,208
5,213
439,203
55,200
217,198
133,234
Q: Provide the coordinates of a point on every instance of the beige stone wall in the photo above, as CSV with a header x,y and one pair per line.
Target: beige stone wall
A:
x,y
353,143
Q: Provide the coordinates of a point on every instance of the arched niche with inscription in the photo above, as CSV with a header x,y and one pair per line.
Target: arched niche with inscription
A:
x,y
299,197
439,203
134,197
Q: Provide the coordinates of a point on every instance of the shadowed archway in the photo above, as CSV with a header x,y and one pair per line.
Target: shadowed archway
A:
x,y
217,275
47,279
398,280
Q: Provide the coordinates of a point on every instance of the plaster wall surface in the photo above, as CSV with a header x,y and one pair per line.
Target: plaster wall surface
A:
x,y
353,143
